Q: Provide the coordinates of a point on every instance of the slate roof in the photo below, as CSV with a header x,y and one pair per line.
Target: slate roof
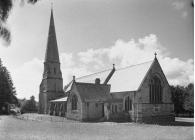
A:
x,y
93,92
90,78
129,78
123,79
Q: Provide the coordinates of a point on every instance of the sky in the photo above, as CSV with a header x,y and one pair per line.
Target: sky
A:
x,y
94,34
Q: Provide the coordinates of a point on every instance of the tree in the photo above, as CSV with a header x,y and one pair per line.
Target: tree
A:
x,y
29,106
7,89
183,99
5,8
178,94
189,99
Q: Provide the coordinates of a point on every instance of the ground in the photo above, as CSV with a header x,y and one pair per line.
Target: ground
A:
x,y
36,127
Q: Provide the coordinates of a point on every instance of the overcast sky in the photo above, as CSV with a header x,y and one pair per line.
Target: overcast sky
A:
x,y
94,34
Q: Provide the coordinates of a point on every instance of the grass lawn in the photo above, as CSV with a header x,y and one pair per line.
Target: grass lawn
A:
x,y
12,128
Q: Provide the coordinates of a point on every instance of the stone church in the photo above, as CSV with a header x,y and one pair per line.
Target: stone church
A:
x,y
139,93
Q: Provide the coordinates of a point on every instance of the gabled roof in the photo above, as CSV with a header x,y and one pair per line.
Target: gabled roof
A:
x,y
129,78
124,79
93,92
102,75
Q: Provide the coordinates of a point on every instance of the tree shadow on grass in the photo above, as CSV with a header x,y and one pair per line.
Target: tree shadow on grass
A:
x,y
182,123
175,123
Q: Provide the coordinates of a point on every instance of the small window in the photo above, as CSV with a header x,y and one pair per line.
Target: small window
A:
x,y
128,104
112,108
61,107
74,102
55,106
54,70
115,108
96,105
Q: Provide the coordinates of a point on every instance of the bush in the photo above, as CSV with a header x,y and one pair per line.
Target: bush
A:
x,y
29,106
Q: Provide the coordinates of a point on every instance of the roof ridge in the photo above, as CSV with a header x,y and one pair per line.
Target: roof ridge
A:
x,y
93,74
90,83
133,65
111,69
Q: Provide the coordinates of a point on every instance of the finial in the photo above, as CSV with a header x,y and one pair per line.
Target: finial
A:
x,y
155,54
113,66
73,78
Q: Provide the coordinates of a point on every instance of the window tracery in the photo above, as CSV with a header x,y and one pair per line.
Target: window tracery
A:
x,y
155,90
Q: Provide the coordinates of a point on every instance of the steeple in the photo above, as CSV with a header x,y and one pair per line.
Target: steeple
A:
x,y
51,54
51,86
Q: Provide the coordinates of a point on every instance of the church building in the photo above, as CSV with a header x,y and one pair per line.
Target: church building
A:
x,y
139,93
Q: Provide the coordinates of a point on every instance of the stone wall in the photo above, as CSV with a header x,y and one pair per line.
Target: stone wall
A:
x,y
144,110
118,115
157,112
43,103
92,111
54,84
144,89
121,114
74,114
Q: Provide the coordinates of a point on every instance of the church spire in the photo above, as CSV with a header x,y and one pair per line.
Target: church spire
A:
x,y
51,86
52,47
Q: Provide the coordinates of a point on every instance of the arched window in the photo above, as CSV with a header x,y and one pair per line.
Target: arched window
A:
x,y
74,102
155,90
112,108
128,104
115,108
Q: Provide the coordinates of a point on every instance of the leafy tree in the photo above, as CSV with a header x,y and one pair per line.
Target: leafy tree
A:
x,y
5,8
178,94
189,98
29,106
7,89
183,99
